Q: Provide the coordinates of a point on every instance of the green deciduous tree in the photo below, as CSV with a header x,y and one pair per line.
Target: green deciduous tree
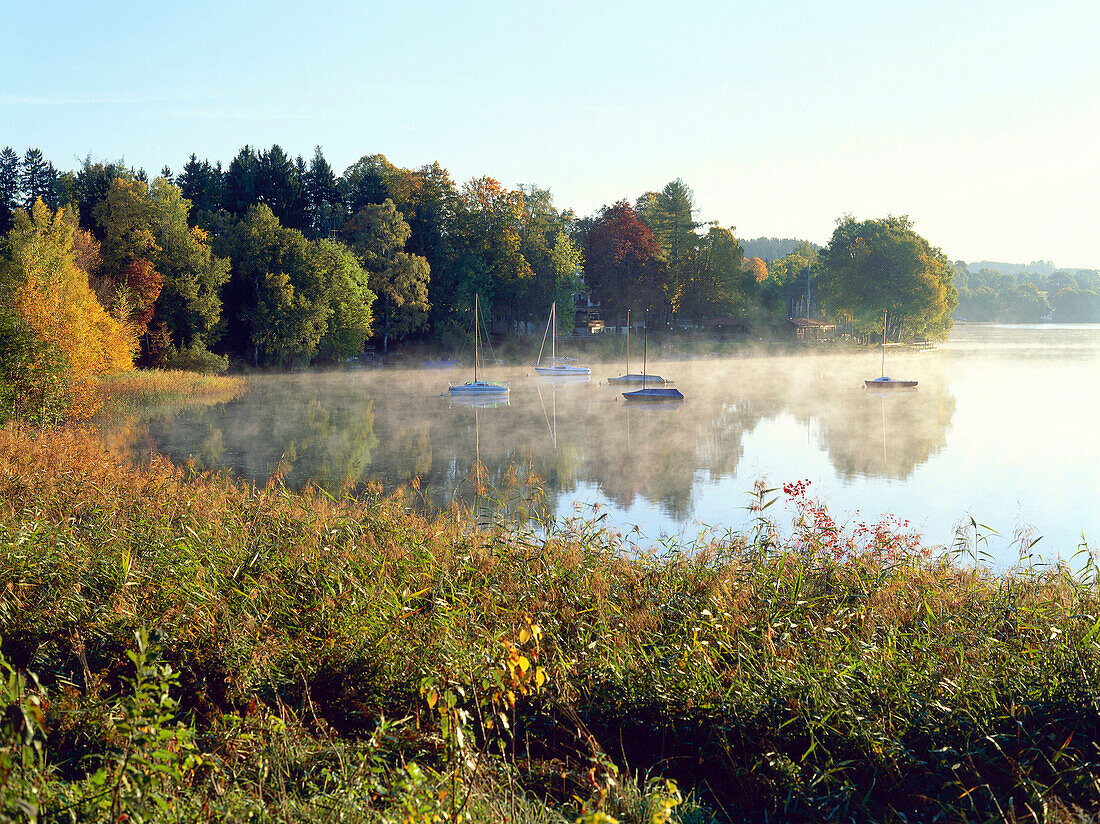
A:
x,y
190,303
554,259
710,277
129,246
377,235
350,301
280,289
488,223
875,265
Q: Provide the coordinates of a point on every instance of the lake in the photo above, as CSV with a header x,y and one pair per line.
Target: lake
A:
x,y
1002,429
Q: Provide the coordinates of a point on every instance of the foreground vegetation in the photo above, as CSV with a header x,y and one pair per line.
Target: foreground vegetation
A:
x,y
177,647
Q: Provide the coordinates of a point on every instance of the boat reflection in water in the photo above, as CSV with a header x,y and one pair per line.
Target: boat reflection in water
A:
x,y
563,380
655,398
482,402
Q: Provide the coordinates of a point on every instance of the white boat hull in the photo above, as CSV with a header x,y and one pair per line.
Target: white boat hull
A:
x,y
563,369
479,389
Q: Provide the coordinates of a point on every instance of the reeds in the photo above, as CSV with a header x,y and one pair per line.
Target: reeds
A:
x,y
770,679
146,388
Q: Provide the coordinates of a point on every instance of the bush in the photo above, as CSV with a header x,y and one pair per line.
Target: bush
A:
x,y
197,358
33,375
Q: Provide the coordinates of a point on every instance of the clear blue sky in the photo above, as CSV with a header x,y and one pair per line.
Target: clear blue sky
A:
x,y
980,120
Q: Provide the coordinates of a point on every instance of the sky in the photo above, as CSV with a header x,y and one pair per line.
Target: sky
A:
x,y
979,120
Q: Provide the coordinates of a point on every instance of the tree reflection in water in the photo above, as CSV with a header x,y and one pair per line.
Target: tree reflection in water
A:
x,y
342,431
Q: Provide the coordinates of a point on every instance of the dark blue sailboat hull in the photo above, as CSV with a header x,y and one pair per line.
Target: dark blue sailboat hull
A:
x,y
658,394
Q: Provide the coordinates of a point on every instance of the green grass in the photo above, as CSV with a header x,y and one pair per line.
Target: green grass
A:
x,y
311,658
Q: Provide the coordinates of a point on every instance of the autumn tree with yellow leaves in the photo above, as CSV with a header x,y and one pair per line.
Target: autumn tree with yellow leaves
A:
x,y
55,337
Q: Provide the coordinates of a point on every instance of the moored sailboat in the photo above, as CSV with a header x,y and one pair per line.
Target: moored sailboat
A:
x,y
478,389
665,394
633,378
556,366
884,382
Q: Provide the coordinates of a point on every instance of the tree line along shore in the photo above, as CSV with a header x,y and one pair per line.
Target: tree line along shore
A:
x,y
276,261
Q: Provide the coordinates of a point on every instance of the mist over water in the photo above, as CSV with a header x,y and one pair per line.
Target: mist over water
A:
x,y
1001,428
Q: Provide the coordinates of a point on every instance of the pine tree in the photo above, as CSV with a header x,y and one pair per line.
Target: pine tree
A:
x,y
241,182
50,195
9,187
201,183
322,196
34,179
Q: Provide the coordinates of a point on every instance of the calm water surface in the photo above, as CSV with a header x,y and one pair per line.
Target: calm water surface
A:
x,y
1003,428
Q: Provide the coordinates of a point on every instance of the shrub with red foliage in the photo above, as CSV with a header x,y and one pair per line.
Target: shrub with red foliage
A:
x,y
890,539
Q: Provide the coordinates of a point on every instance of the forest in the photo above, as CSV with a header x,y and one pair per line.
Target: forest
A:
x,y
275,261
1028,296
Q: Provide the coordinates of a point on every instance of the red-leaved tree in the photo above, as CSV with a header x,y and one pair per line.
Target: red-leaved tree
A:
x,y
623,265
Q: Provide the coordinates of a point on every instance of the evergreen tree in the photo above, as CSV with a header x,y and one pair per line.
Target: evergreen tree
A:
x,y
241,182
93,182
278,185
50,197
34,178
322,196
669,214
9,187
201,184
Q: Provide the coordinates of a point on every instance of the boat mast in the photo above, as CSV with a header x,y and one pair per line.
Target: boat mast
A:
x,y
884,313
476,337
554,333
627,341
645,345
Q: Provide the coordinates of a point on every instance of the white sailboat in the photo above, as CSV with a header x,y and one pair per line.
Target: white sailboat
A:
x,y
885,382
555,366
633,378
491,392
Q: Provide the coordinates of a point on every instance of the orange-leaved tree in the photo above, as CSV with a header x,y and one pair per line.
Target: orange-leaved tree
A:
x,y
57,337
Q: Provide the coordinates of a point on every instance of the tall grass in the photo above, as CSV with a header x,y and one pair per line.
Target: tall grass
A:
x,y
347,657
138,389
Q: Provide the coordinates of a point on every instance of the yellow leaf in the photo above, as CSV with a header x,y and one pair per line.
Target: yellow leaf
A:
x,y
540,676
432,698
